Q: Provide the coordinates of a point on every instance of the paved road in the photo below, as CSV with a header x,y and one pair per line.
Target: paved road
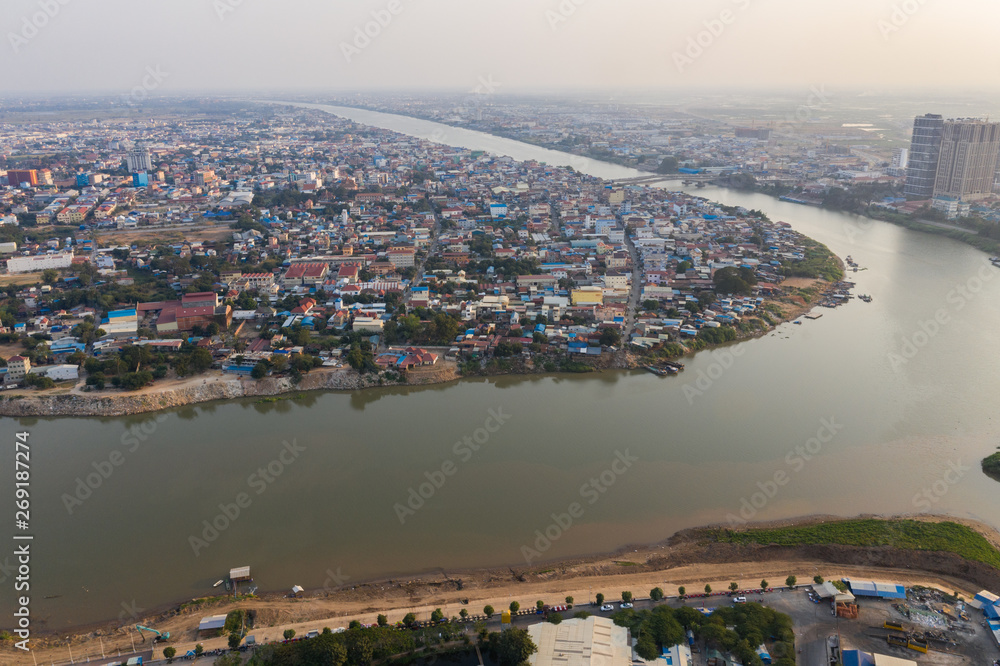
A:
x,y
633,299
431,251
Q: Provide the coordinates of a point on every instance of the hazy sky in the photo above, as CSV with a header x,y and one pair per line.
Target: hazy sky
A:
x,y
506,45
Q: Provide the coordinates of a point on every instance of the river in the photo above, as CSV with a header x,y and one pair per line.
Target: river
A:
x,y
874,408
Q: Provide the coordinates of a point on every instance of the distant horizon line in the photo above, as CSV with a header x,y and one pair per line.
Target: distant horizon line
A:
x,y
508,92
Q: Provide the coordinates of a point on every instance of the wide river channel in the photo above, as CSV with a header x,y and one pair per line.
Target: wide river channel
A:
x,y
881,408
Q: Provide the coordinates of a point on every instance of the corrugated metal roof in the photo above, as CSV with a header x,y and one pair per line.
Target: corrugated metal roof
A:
x,y
212,622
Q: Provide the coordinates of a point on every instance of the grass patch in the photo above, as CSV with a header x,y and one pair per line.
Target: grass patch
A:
x,y
991,466
902,534
818,262
626,563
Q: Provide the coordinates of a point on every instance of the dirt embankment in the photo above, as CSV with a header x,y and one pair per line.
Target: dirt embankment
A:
x,y
186,393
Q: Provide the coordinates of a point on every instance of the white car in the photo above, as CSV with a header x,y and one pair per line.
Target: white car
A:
x,y
607,607
626,604
740,600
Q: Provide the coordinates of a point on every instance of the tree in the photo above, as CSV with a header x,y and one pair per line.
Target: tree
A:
x,y
354,624
650,304
764,584
279,362
463,613
681,591
382,620
437,616
539,604
569,601
732,280
790,581
610,337
733,587
626,597
514,646
200,360
169,653
656,594
234,639
555,618
260,370
708,589
289,634
514,607
818,579
198,649
360,647
599,598
409,619
668,165
488,611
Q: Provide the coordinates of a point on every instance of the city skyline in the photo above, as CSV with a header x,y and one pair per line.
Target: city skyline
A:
x,y
232,45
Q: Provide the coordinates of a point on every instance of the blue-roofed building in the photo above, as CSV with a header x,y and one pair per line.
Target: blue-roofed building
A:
x,y
983,599
994,627
857,658
877,590
120,322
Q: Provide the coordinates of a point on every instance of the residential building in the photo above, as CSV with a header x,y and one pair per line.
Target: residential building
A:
x,y
17,369
401,258
923,160
967,162
138,159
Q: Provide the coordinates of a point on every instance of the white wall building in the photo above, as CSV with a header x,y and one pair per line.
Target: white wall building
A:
x,y
40,262
59,373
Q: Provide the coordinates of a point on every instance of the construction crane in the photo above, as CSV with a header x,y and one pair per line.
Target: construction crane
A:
x,y
160,636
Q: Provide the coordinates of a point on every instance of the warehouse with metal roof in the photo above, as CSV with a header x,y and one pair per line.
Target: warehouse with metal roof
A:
x,y
877,589
580,642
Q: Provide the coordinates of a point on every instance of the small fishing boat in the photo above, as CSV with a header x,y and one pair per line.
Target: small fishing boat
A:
x,y
217,583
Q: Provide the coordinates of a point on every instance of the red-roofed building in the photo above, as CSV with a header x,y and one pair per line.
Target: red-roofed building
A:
x,y
305,274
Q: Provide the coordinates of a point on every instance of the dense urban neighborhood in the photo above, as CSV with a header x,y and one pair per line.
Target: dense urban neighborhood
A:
x,y
280,242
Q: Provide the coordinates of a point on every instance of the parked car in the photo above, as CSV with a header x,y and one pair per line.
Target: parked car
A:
x,y
740,600
607,607
626,604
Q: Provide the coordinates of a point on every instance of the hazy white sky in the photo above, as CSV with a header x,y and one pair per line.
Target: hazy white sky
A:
x,y
512,45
